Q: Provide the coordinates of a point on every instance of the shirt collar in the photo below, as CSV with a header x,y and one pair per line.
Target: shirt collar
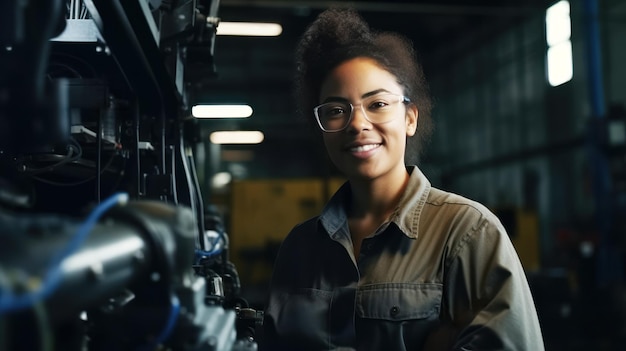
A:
x,y
406,217
334,215
409,209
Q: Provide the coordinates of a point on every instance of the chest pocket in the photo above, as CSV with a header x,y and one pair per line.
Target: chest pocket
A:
x,y
399,301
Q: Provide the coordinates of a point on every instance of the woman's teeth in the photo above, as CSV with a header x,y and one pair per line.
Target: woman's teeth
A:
x,y
363,148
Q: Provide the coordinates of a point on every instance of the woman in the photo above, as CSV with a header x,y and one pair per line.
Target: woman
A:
x,y
391,263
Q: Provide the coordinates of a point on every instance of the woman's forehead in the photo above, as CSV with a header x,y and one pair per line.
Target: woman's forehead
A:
x,y
358,77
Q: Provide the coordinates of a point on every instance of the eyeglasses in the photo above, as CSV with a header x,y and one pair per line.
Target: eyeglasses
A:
x,y
380,108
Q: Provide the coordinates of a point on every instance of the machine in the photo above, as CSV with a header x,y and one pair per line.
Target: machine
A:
x,y
105,240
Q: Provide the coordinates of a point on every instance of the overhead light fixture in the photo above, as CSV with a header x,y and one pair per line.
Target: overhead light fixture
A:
x,y
558,23
256,29
236,137
221,111
558,37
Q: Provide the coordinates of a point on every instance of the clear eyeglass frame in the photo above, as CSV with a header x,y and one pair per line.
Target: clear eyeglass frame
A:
x,y
335,116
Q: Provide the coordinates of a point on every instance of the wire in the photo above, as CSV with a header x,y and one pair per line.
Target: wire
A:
x,y
79,182
171,321
200,254
81,68
10,302
52,74
216,249
65,159
218,244
72,148
169,325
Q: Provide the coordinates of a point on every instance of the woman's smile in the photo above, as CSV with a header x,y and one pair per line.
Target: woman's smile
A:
x,y
364,150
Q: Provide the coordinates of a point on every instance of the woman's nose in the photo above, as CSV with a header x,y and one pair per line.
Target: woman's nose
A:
x,y
358,121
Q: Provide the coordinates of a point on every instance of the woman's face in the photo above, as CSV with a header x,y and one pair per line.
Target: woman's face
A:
x,y
366,150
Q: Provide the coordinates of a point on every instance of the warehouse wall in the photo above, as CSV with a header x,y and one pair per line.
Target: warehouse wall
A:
x,y
505,137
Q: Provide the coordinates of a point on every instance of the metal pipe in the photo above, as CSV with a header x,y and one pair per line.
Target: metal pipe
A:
x,y
594,55
608,261
111,258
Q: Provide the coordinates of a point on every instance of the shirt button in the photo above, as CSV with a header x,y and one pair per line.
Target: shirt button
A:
x,y
394,311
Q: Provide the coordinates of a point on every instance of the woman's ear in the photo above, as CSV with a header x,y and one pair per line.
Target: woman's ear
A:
x,y
412,116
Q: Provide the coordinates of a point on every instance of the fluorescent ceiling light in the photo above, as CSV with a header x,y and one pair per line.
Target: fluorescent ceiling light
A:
x,y
558,35
237,137
249,29
221,111
560,63
558,23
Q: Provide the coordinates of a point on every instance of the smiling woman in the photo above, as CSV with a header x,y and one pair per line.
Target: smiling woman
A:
x,y
391,263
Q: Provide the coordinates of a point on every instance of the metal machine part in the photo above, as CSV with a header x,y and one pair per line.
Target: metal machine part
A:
x,y
136,262
93,104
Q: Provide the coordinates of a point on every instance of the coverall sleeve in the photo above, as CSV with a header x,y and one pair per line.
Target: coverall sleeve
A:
x,y
487,293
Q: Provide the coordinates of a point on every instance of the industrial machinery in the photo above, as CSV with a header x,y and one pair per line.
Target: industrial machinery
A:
x,y
105,240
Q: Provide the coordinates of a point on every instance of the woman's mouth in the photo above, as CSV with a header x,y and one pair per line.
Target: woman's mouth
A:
x,y
363,148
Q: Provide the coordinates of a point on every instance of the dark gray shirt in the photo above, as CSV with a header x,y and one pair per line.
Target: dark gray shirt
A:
x,y
441,274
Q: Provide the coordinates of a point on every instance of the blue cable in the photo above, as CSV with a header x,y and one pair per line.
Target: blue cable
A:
x,y
200,254
169,326
218,238
10,302
171,321
216,248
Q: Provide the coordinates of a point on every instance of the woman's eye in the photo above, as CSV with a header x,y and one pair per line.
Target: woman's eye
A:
x,y
378,105
335,111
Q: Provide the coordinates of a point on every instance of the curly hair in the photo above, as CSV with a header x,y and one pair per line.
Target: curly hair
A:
x,y
338,35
